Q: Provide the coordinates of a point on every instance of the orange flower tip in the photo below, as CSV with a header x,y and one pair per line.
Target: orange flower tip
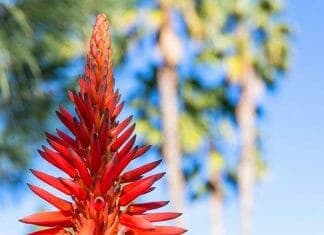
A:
x,y
59,203
120,126
135,222
100,18
51,218
127,146
161,216
135,189
34,172
117,110
137,173
122,138
140,208
149,190
142,150
157,176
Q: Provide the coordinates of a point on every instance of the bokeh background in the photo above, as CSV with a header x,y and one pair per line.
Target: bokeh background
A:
x,y
244,82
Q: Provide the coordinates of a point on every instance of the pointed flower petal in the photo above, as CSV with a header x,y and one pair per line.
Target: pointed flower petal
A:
x,y
136,222
52,218
50,198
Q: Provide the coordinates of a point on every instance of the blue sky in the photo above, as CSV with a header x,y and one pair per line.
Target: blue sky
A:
x,y
291,198
292,201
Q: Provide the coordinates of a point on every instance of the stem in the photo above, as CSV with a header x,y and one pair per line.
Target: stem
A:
x,y
216,201
246,170
167,84
167,80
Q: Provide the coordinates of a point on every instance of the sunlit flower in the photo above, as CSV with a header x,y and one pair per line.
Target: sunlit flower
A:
x,y
94,157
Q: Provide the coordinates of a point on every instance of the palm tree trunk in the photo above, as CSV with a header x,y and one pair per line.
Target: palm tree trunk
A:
x,y
245,114
167,85
216,202
167,80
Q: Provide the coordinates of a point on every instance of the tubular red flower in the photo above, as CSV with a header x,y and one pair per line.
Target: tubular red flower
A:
x,y
94,157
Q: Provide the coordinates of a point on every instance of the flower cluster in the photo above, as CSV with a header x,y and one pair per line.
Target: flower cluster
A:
x,y
94,157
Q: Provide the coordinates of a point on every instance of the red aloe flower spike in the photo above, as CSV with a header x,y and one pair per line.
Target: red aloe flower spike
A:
x,y
94,157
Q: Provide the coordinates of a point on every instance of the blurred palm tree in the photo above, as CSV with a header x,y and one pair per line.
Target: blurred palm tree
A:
x,y
249,41
185,119
205,20
258,57
167,85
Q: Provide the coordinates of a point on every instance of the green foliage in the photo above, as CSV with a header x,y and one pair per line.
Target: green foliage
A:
x,y
38,40
233,34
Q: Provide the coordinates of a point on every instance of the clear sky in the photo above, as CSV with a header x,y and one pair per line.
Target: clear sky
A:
x,y
291,199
